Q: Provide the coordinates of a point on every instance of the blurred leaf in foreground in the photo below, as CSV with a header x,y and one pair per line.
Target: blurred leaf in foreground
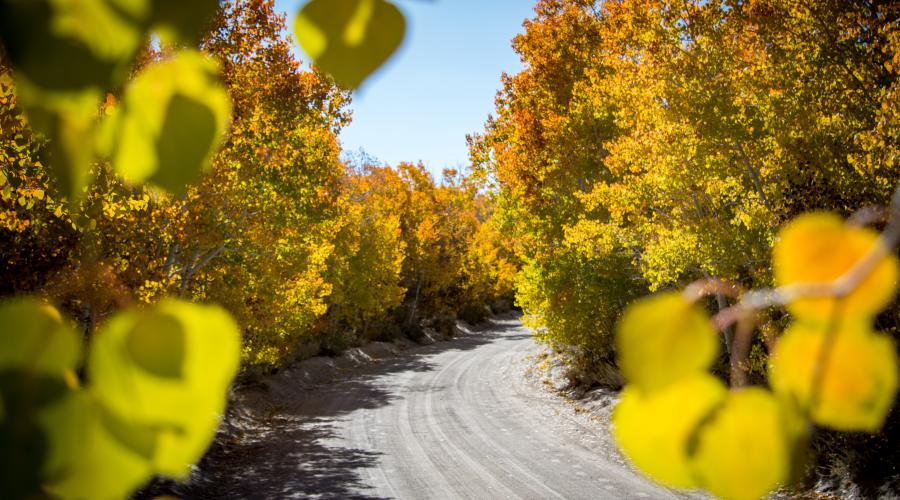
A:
x,y
71,45
168,368
655,430
819,248
171,121
744,450
663,338
96,454
38,351
850,388
350,39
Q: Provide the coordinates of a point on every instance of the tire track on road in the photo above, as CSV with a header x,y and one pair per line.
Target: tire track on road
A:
x,y
452,420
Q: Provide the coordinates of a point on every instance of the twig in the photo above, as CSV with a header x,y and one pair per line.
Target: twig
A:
x,y
712,286
867,216
743,340
844,285
744,313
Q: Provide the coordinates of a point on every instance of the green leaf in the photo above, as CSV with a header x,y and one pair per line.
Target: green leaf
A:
x,y
168,368
25,392
350,39
177,21
24,446
93,453
38,352
24,442
662,339
69,122
35,339
157,345
171,122
188,137
69,45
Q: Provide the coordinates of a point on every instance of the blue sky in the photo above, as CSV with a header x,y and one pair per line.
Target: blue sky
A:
x,y
440,86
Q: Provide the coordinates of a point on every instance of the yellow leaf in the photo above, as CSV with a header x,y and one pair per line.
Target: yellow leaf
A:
x,y
744,450
168,368
818,248
664,338
654,431
857,382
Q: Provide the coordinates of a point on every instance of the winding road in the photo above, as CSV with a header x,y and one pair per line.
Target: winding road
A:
x,y
455,419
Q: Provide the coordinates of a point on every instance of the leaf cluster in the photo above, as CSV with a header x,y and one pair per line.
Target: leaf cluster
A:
x,y
682,427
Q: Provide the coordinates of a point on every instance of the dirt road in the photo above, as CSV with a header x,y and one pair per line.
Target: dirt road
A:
x,y
453,420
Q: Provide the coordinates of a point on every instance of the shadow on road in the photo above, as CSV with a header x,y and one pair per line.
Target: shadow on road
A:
x,y
279,447
285,457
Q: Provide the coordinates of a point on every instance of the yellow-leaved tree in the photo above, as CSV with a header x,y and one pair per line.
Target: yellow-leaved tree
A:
x,y
649,145
143,163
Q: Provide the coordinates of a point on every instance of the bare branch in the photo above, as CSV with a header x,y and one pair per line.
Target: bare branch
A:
x,y
712,286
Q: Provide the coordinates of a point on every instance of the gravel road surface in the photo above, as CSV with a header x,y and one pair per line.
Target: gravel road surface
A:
x,y
456,419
